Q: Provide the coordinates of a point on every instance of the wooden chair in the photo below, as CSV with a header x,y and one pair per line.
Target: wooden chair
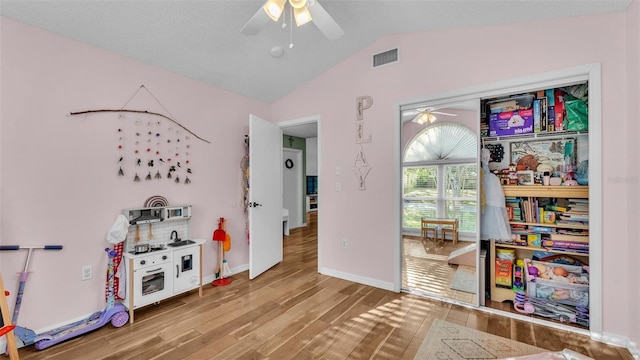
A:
x,y
429,230
453,230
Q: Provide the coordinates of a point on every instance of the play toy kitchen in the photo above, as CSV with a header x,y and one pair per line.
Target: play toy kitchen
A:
x,y
161,258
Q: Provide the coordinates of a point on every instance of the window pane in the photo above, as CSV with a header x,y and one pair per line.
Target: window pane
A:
x,y
420,182
461,181
465,212
442,141
415,209
455,195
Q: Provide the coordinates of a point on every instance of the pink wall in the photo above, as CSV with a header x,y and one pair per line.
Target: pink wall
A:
x,y
435,62
59,183
633,163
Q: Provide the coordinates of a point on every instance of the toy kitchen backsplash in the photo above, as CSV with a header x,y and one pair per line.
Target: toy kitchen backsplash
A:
x,y
154,226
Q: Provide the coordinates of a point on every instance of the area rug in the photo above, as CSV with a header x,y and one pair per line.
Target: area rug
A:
x,y
465,279
455,342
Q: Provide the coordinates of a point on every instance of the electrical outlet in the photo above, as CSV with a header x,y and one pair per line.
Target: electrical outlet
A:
x,y
87,272
338,187
344,243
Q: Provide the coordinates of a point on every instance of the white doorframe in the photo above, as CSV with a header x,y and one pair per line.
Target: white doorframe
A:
x,y
292,196
309,120
590,72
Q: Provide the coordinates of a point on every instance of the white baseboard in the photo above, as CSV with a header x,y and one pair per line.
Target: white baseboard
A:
x,y
621,341
236,270
357,279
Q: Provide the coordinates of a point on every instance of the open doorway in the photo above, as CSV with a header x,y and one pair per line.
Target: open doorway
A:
x,y
301,137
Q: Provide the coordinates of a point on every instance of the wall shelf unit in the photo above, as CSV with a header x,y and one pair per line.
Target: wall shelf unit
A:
x,y
546,191
501,294
312,202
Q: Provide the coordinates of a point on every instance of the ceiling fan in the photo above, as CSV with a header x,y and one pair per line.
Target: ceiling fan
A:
x,y
424,115
304,11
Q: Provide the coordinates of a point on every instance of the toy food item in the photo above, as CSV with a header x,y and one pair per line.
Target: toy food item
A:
x,y
560,271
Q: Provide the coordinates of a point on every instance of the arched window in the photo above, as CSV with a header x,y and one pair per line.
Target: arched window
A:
x,y
440,176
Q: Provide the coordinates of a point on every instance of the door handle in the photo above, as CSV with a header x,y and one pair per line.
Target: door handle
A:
x,y
254,204
177,271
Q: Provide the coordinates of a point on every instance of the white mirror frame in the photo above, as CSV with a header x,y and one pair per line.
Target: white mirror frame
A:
x,y
590,73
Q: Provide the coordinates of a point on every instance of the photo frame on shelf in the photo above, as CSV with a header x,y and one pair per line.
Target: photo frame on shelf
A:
x,y
525,177
535,152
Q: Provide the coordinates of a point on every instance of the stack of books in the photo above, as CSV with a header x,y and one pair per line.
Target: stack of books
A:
x,y
503,106
513,208
577,213
574,241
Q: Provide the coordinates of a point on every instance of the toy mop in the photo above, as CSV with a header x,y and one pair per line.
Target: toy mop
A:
x,y
224,241
115,313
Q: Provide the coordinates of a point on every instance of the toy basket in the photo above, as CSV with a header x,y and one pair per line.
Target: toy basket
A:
x,y
556,289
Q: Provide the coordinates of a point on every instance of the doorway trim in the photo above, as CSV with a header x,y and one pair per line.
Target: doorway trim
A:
x,y
588,72
310,120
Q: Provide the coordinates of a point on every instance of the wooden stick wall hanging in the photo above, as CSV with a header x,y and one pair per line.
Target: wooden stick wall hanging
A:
x,y
157,147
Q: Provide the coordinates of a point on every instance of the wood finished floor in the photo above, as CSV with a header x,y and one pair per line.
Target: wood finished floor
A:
x,y
426,268
292,312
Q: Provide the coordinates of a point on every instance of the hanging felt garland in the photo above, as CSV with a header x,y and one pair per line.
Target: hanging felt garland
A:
x,y
169,152
157,149
136,151
186,160
120,152
176,153
171,147
149,151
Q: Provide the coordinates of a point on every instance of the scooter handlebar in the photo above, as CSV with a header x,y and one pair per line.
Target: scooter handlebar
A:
x,y
18,247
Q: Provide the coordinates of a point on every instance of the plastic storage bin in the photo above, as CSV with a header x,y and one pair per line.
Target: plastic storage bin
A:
x,y
572,289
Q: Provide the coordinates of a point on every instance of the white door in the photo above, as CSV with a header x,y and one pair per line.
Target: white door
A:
x,y
265,195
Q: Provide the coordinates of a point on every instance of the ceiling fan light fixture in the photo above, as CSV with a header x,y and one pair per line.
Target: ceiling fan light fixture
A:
x,y
302,15
298,4
274,8
424,117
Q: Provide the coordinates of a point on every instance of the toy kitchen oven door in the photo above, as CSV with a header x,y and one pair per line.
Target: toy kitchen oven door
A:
x,y
160,275
152,278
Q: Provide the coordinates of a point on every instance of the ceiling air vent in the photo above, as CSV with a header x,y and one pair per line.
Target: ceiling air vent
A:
x,y
386,57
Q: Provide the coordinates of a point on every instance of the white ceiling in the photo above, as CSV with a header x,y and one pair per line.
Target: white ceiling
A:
x,y
202,39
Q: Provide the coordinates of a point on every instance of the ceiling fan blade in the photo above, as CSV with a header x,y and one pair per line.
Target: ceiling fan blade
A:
x,y
443,113
257,22
412,112
324,21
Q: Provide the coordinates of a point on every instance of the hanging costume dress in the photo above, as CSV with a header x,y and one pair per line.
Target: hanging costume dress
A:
x,y
494,223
